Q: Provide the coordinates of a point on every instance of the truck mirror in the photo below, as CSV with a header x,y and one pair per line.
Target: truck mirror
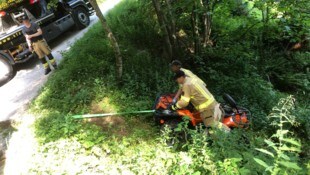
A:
x,y
2,13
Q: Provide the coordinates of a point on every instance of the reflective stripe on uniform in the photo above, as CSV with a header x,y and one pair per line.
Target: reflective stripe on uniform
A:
x,y
187,72
210,99
45,65
193,76
53,61
203,92
186,99
205,105
178,106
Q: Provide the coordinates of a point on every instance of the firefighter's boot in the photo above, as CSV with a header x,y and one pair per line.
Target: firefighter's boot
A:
x,y
52,61
47,71
47,68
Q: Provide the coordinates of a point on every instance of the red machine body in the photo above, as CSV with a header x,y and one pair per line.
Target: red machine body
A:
x,y
233,118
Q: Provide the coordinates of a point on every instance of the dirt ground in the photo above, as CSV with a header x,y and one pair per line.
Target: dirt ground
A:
x,y
6,129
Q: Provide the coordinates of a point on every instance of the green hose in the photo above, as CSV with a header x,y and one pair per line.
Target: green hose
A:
x,y
111,114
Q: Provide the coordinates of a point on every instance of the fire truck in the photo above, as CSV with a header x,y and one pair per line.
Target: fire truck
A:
x,y
61,16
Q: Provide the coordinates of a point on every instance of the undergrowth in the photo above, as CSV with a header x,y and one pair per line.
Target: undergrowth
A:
x,y
85,83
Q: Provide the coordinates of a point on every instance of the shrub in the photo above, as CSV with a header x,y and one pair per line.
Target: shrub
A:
x,y
134,23
283,148
134,146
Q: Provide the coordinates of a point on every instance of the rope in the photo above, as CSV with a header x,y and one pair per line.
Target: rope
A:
x,y
111,114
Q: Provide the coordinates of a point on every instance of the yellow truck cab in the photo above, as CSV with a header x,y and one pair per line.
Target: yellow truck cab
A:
x,y
62,15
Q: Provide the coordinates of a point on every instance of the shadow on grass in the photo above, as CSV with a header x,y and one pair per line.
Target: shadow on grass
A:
x,y
86,76
96,131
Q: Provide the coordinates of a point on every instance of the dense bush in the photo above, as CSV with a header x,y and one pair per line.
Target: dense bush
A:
x,y
132,145
8,3
134,23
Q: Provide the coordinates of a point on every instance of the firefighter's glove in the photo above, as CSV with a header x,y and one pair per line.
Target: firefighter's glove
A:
x,y
172,107
174,101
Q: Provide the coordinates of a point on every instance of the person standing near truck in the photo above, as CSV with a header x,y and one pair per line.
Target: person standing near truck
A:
x,y
43,6
34,37
44,10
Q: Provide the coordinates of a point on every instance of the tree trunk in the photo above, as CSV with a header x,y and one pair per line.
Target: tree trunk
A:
x,y
164,28
118,55
207,22
173,35
207,30
195,26
264,32
172,22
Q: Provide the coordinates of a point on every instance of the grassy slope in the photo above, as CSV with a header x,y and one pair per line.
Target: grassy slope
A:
x,y
84,83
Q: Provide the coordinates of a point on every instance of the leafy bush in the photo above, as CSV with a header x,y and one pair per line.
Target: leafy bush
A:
x,y
284,148
9,3
133,145
134,23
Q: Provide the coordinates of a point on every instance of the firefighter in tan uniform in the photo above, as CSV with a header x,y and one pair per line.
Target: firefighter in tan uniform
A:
x,y
37,43
176,66
203,101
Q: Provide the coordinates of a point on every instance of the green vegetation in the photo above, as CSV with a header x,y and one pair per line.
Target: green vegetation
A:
x,y
8,3
258,73
101,1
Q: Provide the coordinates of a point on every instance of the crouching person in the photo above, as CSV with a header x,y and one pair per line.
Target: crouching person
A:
x,y
195,92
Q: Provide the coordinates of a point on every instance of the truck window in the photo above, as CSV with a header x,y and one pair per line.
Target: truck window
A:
x,y
34,9
7,23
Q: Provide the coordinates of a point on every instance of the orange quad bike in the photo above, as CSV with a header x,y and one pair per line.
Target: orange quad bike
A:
x,y
234,116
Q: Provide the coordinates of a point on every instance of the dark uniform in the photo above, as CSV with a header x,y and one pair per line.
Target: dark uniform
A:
x,y
40,46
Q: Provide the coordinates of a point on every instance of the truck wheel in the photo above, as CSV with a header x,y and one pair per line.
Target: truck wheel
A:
x,y
81,18
6,71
